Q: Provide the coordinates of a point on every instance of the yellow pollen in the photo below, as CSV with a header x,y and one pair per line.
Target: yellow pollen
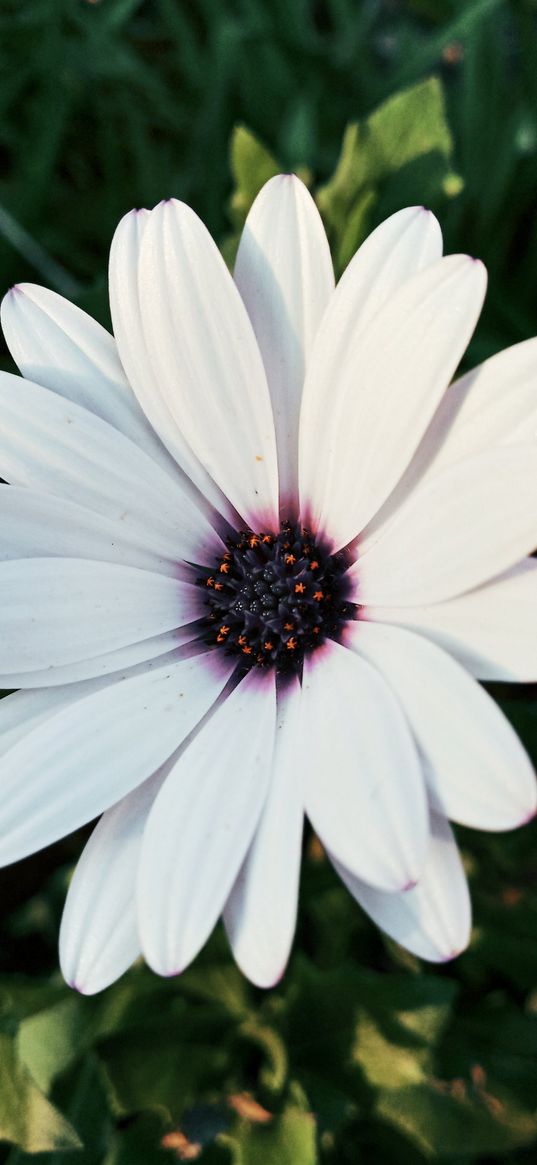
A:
x,y
290,558
299,589
318,595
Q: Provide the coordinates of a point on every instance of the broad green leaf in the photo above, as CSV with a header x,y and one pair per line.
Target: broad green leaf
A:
x,y
289,1139
27,1118
154,1068
384,1063
49,1041
449,1117
251,165
407,137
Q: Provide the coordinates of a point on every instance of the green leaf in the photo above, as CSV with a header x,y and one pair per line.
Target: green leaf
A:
x,y
155,1068
443,1118
251,165
27,1118
49,1041
407,137
289,1139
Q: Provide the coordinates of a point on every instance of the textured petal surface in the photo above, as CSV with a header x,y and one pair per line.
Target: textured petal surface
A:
x,y
492,631
285,277
103,665
404,244
364,791
39,525
463,527
99,929
205,356
21,712
260,914
57,345
127,323
81,760
477,771
381,394
433,919
57,611
494,405
58,447
202,823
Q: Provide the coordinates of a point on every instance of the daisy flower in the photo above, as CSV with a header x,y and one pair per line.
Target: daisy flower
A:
x,y
256,555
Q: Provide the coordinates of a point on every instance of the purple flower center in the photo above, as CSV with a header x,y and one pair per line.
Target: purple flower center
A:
x,y
273,597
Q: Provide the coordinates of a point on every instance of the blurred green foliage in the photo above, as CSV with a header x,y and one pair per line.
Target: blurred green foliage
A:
x,y
361,1055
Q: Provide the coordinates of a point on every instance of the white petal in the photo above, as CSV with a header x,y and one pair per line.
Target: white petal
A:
x,y
128,330
57,611
39,525
495,404
205,357
285,277
364,791
492,631
404,244
22,711
364,413
61,448
459,529
85,757
105,664
433,919
57,345
260,914
202,823
99,929
476,768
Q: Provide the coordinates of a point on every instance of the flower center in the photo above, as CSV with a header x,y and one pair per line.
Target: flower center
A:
x,y
273,597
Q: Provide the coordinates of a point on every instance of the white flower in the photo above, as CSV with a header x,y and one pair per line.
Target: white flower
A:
x,y
331,670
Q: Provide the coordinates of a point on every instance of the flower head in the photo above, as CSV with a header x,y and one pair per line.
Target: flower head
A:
x,y
255,556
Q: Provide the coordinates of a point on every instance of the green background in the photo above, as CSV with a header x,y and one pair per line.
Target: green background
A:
x,y
361,1055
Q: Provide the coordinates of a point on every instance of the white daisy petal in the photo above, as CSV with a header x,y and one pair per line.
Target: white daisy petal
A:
x,y
204,353
57,611
382,394
492,631
201,825
433,919
260,914
81,760
22,711
461,528
105,664
399,248
60,448
477,771
128,330
285,276
364,792
57,345
99,930
495,404
39,525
